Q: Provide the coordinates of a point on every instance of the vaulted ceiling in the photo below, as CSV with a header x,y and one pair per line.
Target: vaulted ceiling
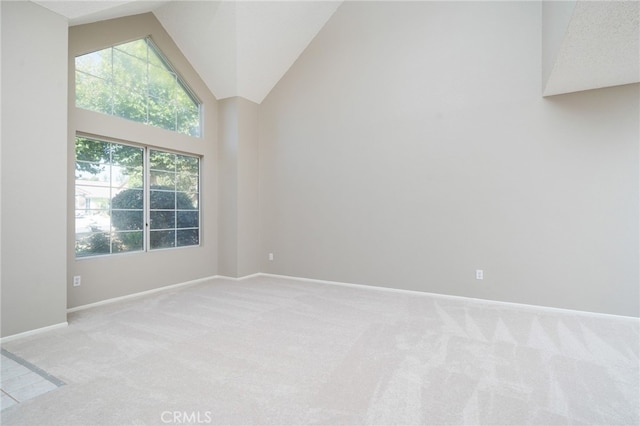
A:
x,y
599,47
243,48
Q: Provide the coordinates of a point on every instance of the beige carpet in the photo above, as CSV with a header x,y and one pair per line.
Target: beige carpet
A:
x,y
269,350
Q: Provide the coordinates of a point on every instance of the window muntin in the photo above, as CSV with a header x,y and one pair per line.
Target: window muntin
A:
x,y
134,81
113,213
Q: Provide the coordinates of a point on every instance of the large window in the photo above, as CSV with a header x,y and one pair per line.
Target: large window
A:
x,y
135,81
132,198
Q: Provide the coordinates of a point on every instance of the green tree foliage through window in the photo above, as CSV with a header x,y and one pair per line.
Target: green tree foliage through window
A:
x,y
135,81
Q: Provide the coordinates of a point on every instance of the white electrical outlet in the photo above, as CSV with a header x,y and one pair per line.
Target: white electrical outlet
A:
x,y
77,280
270,256
479,274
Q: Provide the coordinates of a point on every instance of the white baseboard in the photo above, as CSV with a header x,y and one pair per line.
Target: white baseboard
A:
x,y
318,281
32,332
246,277
156,290
521,306
142,293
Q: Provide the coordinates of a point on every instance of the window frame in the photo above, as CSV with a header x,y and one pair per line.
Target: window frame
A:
x,y
146,207
180,83
149,209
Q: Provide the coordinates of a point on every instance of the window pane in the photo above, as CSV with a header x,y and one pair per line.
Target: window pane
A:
x,y
127,241
154,57
162,219
82,244
92,221
92,172
93,151
97,64
159,160
188,114
187,219
129,71
162,200
93,93
162,239
94,197
129,199
94,190
187,183
187,201
123,155
187,164
166,180
188,237
136,48
164,87
133,81
127,220
162,84
161,113
93,244
126,177
130,104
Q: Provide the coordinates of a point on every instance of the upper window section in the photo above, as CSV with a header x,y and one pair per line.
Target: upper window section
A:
x,y
135,81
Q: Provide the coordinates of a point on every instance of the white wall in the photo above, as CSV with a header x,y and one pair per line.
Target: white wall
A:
x,y
113,276
556,16
409,146
34,167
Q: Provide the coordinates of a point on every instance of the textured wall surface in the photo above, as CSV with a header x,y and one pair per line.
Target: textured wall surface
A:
x,y
600,48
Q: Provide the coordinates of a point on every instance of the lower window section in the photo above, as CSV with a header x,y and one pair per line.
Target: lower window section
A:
x,y
162,239
174,238
187,237
101,243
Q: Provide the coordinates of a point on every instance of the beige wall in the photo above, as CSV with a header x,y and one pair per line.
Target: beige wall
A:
x,y
238,170
113,276
248,200
228,177
409,146
34,167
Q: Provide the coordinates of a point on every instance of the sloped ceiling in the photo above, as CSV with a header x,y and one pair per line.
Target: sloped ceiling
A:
x,y
86,11
243,48
239,48
600,47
